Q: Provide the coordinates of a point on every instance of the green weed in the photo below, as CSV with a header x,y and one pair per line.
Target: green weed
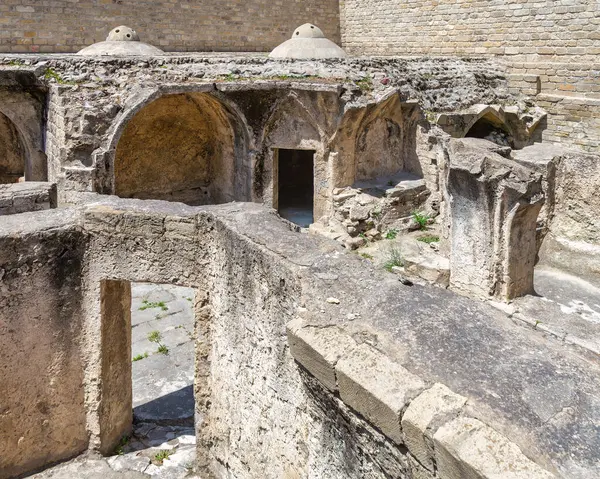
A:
x,y
148,305
51,74
120,449
429,239
391,234
139,357
365,84
394,259
422,219
160,456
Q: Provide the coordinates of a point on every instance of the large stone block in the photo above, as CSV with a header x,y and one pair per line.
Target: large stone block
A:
x,y
318,350
424,416
494,207
468,449
377,388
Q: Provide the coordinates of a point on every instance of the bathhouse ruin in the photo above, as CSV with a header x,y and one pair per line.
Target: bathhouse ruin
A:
x,y
312,240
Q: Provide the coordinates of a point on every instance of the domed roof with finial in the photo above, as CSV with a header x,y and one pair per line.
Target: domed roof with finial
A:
x,y
308,42
121,40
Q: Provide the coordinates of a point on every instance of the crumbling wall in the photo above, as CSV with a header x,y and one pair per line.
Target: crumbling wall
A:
x,y
22,115
64,26
359,402
550,48
42,419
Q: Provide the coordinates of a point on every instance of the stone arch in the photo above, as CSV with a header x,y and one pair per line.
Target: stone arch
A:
x,y
292,125
487,123
12,152
21,132
385,140
186,146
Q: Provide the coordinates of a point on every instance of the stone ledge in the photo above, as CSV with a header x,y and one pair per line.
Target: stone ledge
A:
x,y
468,449
319,350
424,416
25,197
441,442
377,388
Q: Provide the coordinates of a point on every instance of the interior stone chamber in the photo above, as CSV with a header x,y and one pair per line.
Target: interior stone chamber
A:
x,y
170,169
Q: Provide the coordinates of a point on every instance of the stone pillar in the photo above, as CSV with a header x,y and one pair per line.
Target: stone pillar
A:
x,y
494,205
202,388
116,407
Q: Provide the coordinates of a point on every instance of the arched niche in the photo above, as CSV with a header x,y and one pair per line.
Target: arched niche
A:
x,y
491,127
293,133
181,147
12,152
385,140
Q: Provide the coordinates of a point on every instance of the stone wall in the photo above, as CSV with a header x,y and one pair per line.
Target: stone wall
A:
x,y
42,419
28,196
298,374
210,25
551,48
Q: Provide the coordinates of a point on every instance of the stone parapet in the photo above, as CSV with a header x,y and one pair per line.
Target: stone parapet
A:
x,y
430,420
29,196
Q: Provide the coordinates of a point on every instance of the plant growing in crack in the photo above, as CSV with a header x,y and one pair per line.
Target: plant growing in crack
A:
x,y
394,258
391,234
156,337
139,357
148,305
120,449
422,219
428,239
160,456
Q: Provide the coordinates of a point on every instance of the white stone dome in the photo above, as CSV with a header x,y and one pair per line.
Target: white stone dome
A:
x,y
308,42
121,41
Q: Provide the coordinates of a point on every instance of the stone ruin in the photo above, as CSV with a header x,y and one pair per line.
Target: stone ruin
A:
x,y
394,276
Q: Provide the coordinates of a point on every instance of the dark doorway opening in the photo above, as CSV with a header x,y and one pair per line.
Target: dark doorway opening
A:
x,y
296,186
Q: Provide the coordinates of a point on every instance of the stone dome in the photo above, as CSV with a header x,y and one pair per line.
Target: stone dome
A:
x,y
121,41
123,34
308,42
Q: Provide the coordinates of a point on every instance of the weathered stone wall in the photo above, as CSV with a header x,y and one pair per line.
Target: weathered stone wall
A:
x,y
551,48
28,196
213,25
42,419
104,114
569,233
22,115
366,342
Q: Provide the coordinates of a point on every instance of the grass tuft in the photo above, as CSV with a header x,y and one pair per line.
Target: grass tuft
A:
x,y
429,239
139,357
422,219
394,259
148,305
161,455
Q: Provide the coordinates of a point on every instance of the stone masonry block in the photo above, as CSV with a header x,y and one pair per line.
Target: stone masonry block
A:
x,y
377,388
468,449
318,350
425,414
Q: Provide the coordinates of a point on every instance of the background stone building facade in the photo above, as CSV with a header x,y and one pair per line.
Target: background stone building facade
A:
x,y
551,47
173,25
